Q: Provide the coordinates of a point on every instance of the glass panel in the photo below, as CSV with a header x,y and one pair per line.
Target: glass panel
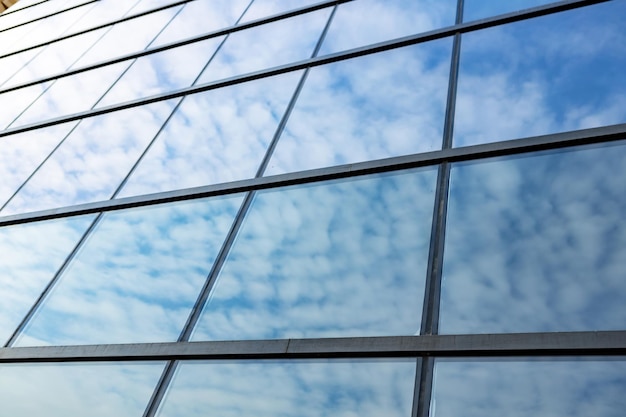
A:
x,y
21,154
217,136
545,75
536,243
102,13
31,255
373,107
478,9
343,258
161,72
136,278
199,17
293,388
93,160
267,46
573,387
364,22
15,102
96,390
265,8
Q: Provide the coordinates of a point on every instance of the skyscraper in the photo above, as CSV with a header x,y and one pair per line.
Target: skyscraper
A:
x,y
236,207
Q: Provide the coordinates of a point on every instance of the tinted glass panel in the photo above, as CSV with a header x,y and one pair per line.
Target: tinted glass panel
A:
x,y
518,388
31,255
363,22
545,75
217,136
372,107
295,388
56,390
478,9
92,161
136,278
334,259
537,244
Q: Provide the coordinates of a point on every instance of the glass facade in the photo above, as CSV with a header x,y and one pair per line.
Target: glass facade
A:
x,y
302,207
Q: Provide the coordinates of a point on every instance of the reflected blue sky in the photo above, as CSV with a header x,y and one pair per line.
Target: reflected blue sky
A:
x,y
536,243
545,75
31,255
58,390
344,258
573,387
294,388
480,9
373,107
137,276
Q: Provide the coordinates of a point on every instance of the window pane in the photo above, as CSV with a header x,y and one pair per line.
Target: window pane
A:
x,y
536,243
294,388
218,136
343,258
573,387
267,46
363,22
136,278
97,390
546,75
31,255
479,9
373,107
93,160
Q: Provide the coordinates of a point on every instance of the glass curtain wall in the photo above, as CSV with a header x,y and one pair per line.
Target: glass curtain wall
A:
x,y
304,208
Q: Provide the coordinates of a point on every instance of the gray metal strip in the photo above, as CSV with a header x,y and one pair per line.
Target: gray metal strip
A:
x,y
512,147
462,346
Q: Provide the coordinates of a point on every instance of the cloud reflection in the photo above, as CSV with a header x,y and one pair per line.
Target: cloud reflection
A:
x,y
537,243
344,258
294,388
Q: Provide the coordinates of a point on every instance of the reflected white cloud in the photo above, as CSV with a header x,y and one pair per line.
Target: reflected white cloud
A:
x,y
335,259
479,9
217,136
93,160
294,388
31,255
536,243
544,75
363,22
373,107
136,278
97,390
518,388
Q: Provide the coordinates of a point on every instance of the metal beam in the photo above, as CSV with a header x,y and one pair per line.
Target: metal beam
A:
x,y
512,147
477,345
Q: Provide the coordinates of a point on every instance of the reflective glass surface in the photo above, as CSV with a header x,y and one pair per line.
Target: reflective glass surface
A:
x,y
343,258
267,46
93,159
479,9
575,387
536,243
21,154
363,22
217,136
294,388
136,278
31,255
372,107
545,75
98,390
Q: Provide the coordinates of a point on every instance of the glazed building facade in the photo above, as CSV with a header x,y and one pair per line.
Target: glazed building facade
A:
x,y
403,208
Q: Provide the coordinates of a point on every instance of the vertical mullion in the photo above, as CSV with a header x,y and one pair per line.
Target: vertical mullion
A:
x,y
432,292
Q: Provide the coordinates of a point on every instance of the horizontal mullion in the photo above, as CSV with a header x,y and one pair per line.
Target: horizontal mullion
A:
x,y
12,10
49,15
598,135
177,44
601,343
104,25
312,62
